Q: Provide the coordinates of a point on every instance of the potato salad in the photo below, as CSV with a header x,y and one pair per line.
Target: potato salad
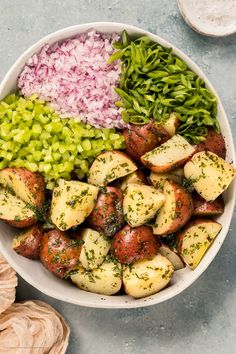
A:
x,y
113,176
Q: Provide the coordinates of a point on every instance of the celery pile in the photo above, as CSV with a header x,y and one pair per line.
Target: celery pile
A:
x,y
33,136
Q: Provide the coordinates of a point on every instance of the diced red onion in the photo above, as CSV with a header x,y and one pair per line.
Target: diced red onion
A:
x,y
74,76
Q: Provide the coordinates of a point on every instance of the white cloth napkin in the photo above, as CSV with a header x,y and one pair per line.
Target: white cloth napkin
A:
x,y
8,283
33,327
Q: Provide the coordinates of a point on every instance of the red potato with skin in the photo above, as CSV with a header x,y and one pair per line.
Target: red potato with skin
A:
x,y
21,224
28,242
28,186
107,215
204,208
194,240
158,179
109,166
59,253
147,276
214,142
171,124
175,212
209,174
169,155
133,244
14,211
140,139
136,177
172,256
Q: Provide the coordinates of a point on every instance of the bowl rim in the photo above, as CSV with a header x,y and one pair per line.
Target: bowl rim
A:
x,y
127,302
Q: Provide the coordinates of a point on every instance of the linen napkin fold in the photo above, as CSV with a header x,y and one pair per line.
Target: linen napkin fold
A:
x,y
8,283
33,327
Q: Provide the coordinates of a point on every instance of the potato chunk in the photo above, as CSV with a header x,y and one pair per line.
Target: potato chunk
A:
x,y
26,185
107,215
72,202
133,244
214,142
148,276
203,208
158,179
140,139
14,211
94,249
168,156
176,210
141,203
59,253
171,124
195,239
105,280
136,177
28,242
109,166
210,174
172,255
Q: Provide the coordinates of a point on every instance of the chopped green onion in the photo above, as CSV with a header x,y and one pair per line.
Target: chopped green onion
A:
x,y
154,83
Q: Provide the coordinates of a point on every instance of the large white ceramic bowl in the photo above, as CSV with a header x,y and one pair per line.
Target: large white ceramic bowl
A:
x,y
35,274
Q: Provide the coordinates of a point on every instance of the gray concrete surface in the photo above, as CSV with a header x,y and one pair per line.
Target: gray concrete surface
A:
x,y
203,318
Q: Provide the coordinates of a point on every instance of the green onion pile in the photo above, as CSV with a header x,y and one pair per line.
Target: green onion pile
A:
x,y
155,82
33,136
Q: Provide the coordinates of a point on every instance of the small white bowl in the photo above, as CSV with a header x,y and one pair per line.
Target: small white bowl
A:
x,y
33,271
214,18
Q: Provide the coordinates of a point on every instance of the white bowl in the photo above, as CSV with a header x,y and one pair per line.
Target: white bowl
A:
x,y
211,18
33,271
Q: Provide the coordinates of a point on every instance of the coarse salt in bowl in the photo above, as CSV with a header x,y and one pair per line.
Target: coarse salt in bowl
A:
x,y
34,272
211,18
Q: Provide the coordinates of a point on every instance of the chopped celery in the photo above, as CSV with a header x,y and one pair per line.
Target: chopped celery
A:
x,y
36,130
114,136
3,164
33,136
6,155
31,166
86,144
56,156
37,155
8,146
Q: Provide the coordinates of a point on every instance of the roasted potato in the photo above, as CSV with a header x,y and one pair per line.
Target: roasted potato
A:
x,y
107,215
195,239
158,179
26,185
105,280
209,174
94,248
172,256
140,139
14,211
204,208
168,156
136,177
148,276
214,142
141,203
176,210
171,124
108,166
59,253
133,244
72,202
28,242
